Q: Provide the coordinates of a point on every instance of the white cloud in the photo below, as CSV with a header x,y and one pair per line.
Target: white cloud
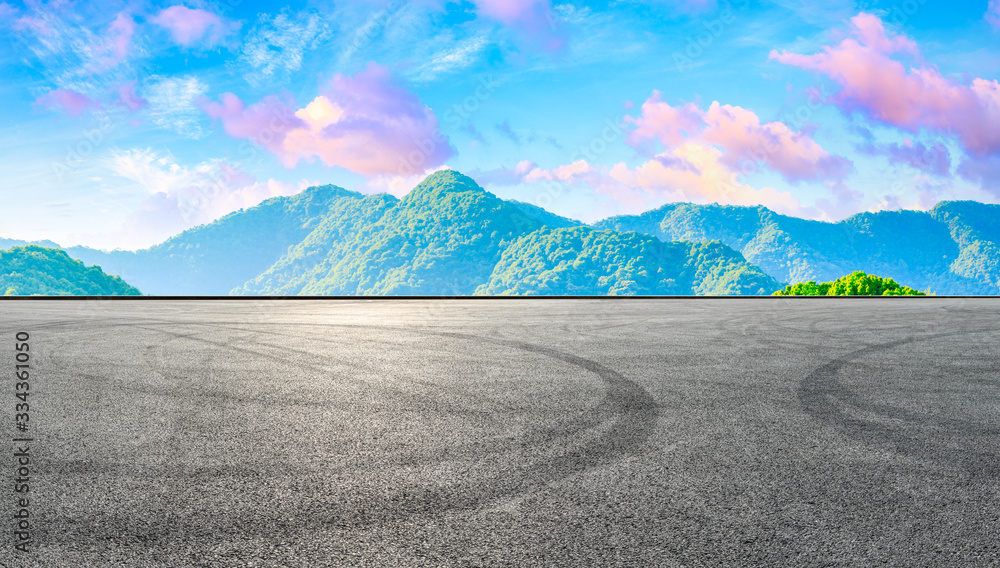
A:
x,y
89,56
179,197
275,46
450,60
172,105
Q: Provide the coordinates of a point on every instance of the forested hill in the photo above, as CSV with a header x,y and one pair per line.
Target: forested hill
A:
x,y
30,270
951,249
450,237
584,261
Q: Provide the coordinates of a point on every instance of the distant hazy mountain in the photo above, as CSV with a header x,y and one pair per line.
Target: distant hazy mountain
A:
x,y
28,270
584,261
951,249
217,257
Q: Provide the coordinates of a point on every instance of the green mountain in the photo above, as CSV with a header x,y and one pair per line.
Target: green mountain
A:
x,y
584,261
951,249
443,238
29,270
545,218
213,259
449,236
315,256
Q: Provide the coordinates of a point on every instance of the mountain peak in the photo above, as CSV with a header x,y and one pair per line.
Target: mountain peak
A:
x,y
444,182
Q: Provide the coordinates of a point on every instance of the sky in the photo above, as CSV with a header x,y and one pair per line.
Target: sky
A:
x,y
127,121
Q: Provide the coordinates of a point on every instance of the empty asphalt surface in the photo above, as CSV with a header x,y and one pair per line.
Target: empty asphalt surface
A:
x,y
843,432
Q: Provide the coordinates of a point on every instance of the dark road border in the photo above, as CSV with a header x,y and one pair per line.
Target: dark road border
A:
x,y
396,298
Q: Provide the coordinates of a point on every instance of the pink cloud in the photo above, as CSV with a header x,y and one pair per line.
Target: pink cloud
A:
x,y
368,124
696,172
933,159
266,123
7,12
880,87
533,18
667,124
36,25
745,139
984,171
120,32
740,134
128,98
188,26
117,41
67,100
993,14
691,172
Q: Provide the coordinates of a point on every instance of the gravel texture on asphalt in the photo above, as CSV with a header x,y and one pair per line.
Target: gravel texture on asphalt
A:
x,y
701,432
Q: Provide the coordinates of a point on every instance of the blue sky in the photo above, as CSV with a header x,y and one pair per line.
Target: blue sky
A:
x,y
127,122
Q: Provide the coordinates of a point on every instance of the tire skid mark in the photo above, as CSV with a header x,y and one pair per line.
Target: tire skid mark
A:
x,y
626,415
623,420
821,391
620,390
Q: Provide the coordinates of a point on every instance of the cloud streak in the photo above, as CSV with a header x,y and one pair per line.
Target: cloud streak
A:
x,y
533,19
172,105
275,47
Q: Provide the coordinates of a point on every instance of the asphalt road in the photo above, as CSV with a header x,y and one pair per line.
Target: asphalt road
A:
x,y
850,432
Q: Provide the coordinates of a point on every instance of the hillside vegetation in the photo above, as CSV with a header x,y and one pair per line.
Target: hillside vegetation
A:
x,y
951,249
34,270
584,261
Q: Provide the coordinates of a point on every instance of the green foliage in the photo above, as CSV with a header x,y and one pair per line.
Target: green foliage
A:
x,y
855,284
443,238
450,237
544,218
34,270
584,261
312,259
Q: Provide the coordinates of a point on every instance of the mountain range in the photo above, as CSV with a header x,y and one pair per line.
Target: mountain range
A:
x,y
448,236
951,249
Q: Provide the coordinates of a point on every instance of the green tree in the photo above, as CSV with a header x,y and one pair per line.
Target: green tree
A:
x,y
856,283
